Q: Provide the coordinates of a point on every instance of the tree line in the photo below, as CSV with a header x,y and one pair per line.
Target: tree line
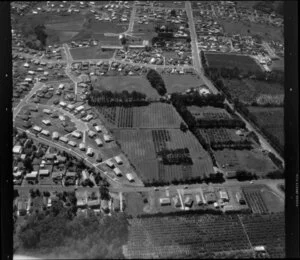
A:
x,y
156,82
109,98
177,156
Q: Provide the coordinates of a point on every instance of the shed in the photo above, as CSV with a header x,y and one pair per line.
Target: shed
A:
x,y
165,201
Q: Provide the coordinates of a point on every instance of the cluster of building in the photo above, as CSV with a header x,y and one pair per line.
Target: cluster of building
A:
x,y
115,11
146,15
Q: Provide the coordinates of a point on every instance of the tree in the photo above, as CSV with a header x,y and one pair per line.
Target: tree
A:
x,y
104,193
28,164
173,12
183,127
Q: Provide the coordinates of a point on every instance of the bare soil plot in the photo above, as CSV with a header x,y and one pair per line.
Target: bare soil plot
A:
x,y
93,52
180,83
221,60
253,160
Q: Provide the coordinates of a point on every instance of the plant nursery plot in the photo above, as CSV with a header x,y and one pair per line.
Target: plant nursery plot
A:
x,y
180,83
209,113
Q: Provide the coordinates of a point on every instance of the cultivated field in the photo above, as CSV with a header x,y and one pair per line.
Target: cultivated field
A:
x,y
129,83
180,83
263,200
220,135
185,236
244,63
94,52
209,113
141,147
267,230
253,160
249,91
155,115
271,119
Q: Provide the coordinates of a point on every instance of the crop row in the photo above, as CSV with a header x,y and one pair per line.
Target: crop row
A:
x,y
125,117
255,201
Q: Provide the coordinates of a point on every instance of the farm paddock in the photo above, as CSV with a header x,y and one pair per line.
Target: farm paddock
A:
x,y
251,160
128,83
180,83
271,119
221,60
93,52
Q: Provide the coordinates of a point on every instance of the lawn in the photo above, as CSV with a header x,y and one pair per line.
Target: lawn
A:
x,y
249,91
93,52
134,203
253,160
271,119
243,62
129,83
180,83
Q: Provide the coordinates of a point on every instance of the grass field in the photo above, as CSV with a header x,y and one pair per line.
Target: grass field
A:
x,y
267,32
180,83
253,160
272,119
244,63
209,112
93,52
129,83
248,91
100,27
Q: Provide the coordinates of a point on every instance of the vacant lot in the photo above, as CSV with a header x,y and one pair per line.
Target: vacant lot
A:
x,y
267,32
94,52
271,119
249,91
101,27
180,83
244,63
253,160
129,83
209,113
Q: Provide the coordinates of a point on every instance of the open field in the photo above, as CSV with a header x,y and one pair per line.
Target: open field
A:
x,y
244,63
209,113
101,27
267,230
180,83
278,65
155,115
185,236
94,52
129,83
271,119
253,160
249,91
267,32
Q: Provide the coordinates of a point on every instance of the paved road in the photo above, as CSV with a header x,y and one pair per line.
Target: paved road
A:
x,y
68,67
131,22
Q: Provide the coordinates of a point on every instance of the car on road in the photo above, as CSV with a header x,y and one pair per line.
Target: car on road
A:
x,y
156,189
185,187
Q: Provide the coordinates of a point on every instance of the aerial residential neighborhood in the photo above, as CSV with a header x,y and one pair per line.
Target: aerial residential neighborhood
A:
x,y
148,129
